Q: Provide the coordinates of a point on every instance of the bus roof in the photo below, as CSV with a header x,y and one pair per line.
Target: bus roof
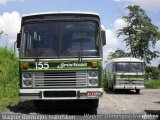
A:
x,y
126,59
61,12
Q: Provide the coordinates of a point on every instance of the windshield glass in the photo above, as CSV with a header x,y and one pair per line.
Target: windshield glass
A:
x,y
60,40
129,67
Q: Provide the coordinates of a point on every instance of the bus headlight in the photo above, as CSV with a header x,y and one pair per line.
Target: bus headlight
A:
x,y
27,75
27,79
93,78
93,74
27,83
93,82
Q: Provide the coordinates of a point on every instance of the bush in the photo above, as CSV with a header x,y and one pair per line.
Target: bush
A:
x,y
104,83
8,78
152,72
153,84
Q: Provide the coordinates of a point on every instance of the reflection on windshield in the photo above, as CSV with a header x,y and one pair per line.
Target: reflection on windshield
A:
x,y
129,67
60,39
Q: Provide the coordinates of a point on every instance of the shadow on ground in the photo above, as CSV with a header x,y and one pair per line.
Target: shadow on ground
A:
x,y
120,91
154,114
27,107
158,102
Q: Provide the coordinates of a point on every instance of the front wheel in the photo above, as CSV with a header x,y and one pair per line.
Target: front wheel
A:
x,y
137,91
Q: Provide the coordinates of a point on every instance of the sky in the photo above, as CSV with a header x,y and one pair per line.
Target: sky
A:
x,y
110,11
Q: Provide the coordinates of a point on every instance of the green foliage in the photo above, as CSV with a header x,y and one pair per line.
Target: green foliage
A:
x,y
140,34
104,82
118,54
152,72
8,78
154,84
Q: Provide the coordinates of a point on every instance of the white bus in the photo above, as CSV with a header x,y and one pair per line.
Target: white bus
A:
x,y
125,73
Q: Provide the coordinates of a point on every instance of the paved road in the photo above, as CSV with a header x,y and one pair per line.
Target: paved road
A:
x,y
124,105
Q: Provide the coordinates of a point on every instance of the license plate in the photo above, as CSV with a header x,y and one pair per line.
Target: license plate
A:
x,y
93,93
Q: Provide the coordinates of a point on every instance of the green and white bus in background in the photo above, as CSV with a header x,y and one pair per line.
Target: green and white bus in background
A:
x,y
125,73
61,57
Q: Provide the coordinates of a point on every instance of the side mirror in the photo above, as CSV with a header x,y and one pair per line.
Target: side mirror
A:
x,y
18,40
103,36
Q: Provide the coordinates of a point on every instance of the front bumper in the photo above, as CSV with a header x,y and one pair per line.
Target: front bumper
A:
x,y
128,87
39,94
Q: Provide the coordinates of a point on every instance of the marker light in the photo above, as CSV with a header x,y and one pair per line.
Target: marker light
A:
x,y
94,64
25,66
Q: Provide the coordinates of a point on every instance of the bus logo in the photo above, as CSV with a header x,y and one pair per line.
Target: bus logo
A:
x,y
62,65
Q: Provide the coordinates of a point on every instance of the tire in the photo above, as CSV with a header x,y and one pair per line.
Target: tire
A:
x,y
113,90
137,91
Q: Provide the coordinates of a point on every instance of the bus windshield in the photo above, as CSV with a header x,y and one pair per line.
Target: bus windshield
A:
x,y
129,67
60,39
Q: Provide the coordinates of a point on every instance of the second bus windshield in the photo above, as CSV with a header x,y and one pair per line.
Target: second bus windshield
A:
x,y
129,67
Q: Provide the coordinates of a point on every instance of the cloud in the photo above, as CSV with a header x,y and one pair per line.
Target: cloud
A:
x,y
111,39
112,42
106,52
146,4
10,25
158,44
4,2
119,23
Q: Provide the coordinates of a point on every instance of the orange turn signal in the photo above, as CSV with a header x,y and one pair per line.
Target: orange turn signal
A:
x,y
94,64
25,66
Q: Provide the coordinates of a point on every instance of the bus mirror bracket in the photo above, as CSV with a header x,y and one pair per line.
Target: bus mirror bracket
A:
x,y
18,40
103,36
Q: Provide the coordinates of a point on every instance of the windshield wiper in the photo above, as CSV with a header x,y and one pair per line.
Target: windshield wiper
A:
x,y
35,39
81,48
35,51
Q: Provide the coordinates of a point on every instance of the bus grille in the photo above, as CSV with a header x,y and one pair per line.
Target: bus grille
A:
x,y
60,79
133,81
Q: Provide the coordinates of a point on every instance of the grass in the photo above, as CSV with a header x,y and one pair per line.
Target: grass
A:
x,y
152,84
8,78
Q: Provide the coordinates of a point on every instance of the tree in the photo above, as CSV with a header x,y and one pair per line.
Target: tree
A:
x,y
117,54
152,72
140,34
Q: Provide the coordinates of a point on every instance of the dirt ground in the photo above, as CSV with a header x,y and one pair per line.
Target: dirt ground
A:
x,y
122,103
